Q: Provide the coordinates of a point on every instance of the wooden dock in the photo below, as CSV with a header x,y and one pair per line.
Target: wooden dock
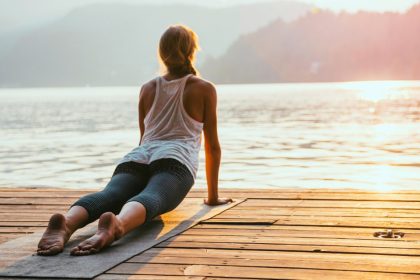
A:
x,y
272,234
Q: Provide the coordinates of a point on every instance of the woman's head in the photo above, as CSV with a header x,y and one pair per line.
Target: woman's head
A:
x,y
177,48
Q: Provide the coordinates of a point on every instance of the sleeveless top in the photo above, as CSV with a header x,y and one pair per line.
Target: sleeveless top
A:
x,y
169,132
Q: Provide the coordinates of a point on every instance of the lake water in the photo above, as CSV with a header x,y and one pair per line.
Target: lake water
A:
x,y
329,135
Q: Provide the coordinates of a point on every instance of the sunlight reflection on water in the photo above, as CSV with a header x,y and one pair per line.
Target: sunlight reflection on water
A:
x,y
331,135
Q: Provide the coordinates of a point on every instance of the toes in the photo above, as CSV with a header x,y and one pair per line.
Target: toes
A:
x,y
41,252
93,251
49,251
75,251
85,248
48,246
83,252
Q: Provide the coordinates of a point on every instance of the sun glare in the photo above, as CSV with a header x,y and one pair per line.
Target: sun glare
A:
x,y
375,91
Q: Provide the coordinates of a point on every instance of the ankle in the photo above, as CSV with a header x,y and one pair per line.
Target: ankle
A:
x,y
77,217
71,225
119,228
69,229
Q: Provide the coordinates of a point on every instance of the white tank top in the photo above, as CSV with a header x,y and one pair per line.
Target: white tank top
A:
x,y
169,132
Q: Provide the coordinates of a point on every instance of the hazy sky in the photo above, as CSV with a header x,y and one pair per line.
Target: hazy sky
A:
x,y
350,5
12,12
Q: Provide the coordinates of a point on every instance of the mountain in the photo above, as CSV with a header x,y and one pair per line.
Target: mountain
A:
x,y
322,47
115,44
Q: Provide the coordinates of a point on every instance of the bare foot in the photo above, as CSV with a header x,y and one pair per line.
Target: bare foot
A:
x,y
54,237
109,230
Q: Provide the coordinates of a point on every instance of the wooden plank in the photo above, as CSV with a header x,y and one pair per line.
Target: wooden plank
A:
x,y
318,190
319,196
250,221
44,201
343,262
17,229
244,254
43,189
251,272
280,190
43,194
5,238
332,204
15,234
374,222
18,208
316,229
252,212
22,224
319,232
291,247
398,223
379,243
40,217
35,200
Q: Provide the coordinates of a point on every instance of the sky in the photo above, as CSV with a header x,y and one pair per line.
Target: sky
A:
x,y
35,12
337,5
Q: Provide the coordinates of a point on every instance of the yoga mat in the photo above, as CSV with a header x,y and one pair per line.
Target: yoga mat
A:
x,y
18,257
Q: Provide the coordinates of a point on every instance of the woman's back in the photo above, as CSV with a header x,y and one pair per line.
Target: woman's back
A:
x,y
193,98
166,118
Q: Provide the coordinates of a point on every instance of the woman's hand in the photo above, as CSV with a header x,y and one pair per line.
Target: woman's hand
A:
x,y
219,201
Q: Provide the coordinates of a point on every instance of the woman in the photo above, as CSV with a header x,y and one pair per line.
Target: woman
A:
x,y
154,177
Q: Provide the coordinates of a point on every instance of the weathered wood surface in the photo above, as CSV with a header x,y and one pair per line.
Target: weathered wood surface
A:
x,y
274,234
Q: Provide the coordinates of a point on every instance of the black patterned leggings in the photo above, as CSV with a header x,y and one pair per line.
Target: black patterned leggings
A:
x,y
159,186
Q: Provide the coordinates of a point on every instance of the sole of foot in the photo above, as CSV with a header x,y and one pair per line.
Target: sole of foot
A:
x,y
55,236
109,230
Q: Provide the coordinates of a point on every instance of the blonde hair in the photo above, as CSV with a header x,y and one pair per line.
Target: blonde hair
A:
x,y
177,48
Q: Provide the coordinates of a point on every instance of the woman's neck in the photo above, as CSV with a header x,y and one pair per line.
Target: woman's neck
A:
x,y
170,77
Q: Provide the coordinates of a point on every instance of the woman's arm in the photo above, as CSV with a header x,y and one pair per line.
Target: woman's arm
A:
x,y
212,148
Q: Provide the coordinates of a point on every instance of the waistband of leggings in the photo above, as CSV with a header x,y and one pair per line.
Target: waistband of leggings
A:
x,y
132,167
172,165
164,164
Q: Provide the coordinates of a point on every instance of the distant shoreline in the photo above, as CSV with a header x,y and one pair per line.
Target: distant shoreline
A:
x,y
222,84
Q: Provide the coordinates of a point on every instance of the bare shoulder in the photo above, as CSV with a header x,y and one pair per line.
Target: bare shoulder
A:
x,y
148,88
202,86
